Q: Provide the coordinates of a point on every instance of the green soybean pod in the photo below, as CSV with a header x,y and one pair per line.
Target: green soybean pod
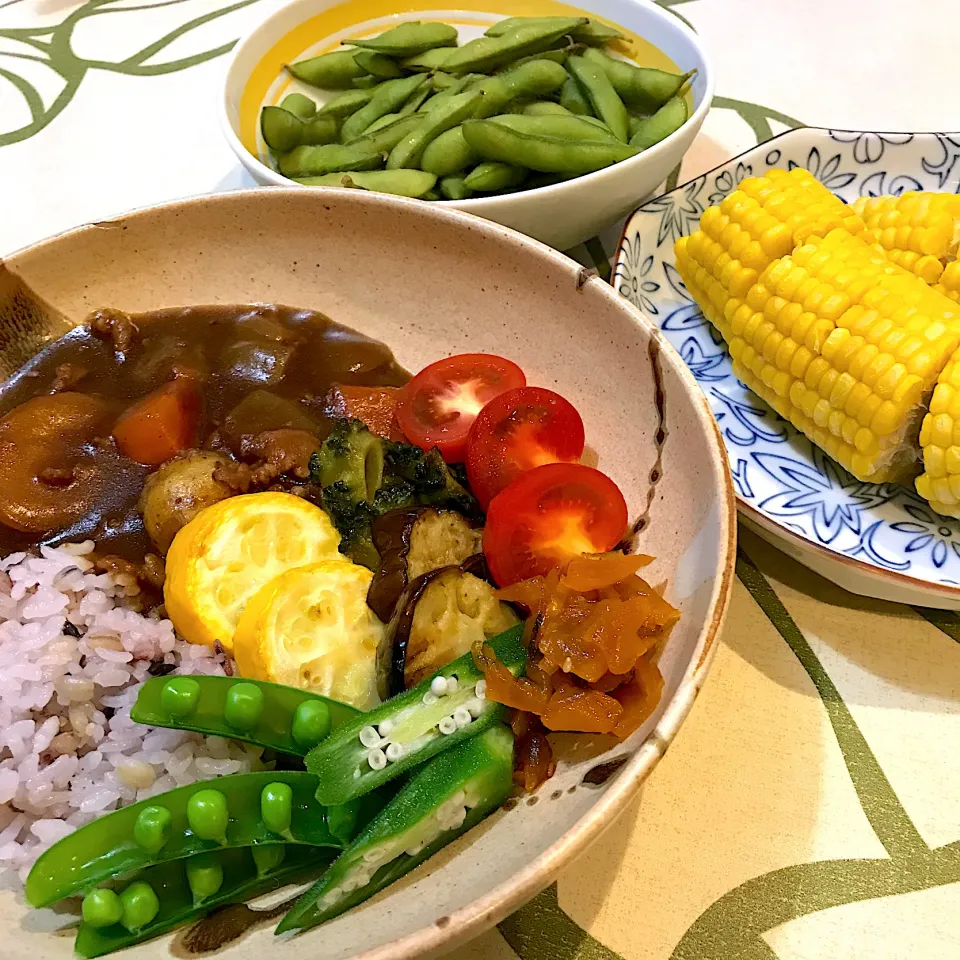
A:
x,y
367,82
345,103
453,188
573,128
281,129
448,154
400,183
417,100
377,65
275,721
486,54
386,138
389,97
572,98
331,71
299,105
384,121
535,78
329,158
432,59
432,195
557,56
409,39
105,848
495,141
545,108
407,152
643,89
668,119
491,175
598,89
592,32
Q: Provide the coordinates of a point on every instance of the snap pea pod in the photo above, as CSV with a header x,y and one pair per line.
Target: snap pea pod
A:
x,y
432,59
269,714
535,78
442,801
490,53
592,32
238,810
603,98
387,137
331,71
448,154
571,97
453,188
401,183
417,724
495,141
299,105
389,97
489,176
176,898
644,89
345,103
668,119
331,158
569,127
377,65
410,39
283,130
408,151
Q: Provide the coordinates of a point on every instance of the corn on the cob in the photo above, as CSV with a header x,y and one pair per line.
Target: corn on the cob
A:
x,y
940,442
917,230
949,284
835,337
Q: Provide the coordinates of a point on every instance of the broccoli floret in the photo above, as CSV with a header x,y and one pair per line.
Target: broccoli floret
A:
x,y
351,455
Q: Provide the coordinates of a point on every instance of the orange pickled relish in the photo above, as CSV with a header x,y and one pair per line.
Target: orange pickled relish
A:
x,y
593,631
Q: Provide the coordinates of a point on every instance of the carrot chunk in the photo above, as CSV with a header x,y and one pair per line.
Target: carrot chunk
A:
x,y
161,424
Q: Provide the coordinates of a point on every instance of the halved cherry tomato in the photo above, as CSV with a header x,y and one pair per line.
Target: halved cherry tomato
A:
x,y
549,515
161,424
517,431
438,406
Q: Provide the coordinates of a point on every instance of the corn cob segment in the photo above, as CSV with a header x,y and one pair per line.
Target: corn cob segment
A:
x,y
918,231
940,442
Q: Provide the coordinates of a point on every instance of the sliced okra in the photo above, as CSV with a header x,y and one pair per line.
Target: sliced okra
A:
x,y
438,714
232,811
443,800
184,890
268,714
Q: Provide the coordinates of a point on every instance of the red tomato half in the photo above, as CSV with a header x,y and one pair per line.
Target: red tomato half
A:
x,y
438,406
550,515
517,431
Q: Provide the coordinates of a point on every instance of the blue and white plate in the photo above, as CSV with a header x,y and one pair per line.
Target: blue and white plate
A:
x,y
875,540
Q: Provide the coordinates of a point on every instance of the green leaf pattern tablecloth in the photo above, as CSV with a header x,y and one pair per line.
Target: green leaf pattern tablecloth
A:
x,y
810,807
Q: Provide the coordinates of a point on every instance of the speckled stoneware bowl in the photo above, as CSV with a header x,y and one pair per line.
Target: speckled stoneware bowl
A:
x,y
432,282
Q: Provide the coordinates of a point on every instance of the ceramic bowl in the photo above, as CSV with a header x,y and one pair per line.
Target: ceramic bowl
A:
x,y
561,215
432,281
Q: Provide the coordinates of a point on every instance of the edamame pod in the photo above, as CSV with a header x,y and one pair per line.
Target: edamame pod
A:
x,y
442,801
287,719
448,154
535,78
283,130
360,154
343,104
432,195
433,59
367,82
417,100
332,71
453,188
384,121
569,127
668,119
598,89
389,97
407,152
545,108
489,176
572,98
557,56
299,105
593,32
378,65
412,727
385,138
401,183
229,811
490,53
644,89
175,901
495,141
410,39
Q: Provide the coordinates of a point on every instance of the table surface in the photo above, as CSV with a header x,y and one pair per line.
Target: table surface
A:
x,y
810,806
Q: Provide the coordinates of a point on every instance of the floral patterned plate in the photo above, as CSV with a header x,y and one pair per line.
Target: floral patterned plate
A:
x,y
875,540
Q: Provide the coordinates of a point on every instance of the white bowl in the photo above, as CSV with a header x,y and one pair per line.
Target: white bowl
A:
x,y
561,215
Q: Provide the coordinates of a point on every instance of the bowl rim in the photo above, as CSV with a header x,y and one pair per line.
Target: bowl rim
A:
x,y
480,204
485,911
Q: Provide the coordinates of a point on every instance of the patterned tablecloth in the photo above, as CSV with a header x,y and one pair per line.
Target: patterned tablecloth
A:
x,y
810,807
